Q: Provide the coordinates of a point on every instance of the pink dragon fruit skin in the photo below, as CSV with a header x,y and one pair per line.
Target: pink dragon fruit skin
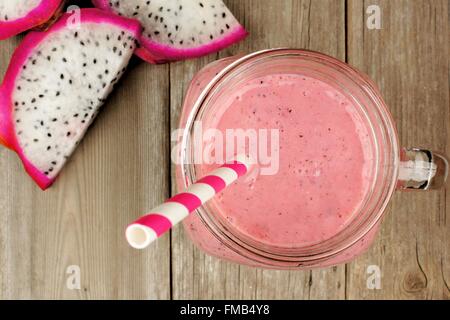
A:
x,y
8,135
36,17
157,52
154,52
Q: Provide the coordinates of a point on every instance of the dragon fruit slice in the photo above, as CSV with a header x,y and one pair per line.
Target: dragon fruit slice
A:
x,y
17,16
179,29
55,84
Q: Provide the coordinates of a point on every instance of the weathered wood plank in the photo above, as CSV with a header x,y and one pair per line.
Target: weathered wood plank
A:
x,y
408,59
121,170
117,173
316,25
15,215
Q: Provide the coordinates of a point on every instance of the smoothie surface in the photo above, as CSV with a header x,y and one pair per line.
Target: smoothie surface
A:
x,y
324,161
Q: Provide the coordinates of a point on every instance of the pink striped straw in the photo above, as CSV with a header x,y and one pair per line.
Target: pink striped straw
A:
x,y
153,225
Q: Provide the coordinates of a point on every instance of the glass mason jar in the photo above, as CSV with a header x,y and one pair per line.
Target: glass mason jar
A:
x,y
394,168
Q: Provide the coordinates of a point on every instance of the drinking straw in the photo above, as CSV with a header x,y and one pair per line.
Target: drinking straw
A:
x,y
161,219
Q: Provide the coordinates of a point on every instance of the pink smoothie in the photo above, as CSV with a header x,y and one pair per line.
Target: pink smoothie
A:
x,y
324,161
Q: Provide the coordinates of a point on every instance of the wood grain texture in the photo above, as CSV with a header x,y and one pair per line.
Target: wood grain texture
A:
x,y
122,168
114,175
408,59
316,25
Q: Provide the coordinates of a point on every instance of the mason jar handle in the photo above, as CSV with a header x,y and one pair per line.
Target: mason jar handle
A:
x,y
422,169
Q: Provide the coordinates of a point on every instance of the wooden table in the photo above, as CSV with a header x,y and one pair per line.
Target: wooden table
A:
x,y
123,168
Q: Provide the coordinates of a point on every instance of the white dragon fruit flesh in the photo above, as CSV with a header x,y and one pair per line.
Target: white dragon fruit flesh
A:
x,y
17,16
179,29
55,84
